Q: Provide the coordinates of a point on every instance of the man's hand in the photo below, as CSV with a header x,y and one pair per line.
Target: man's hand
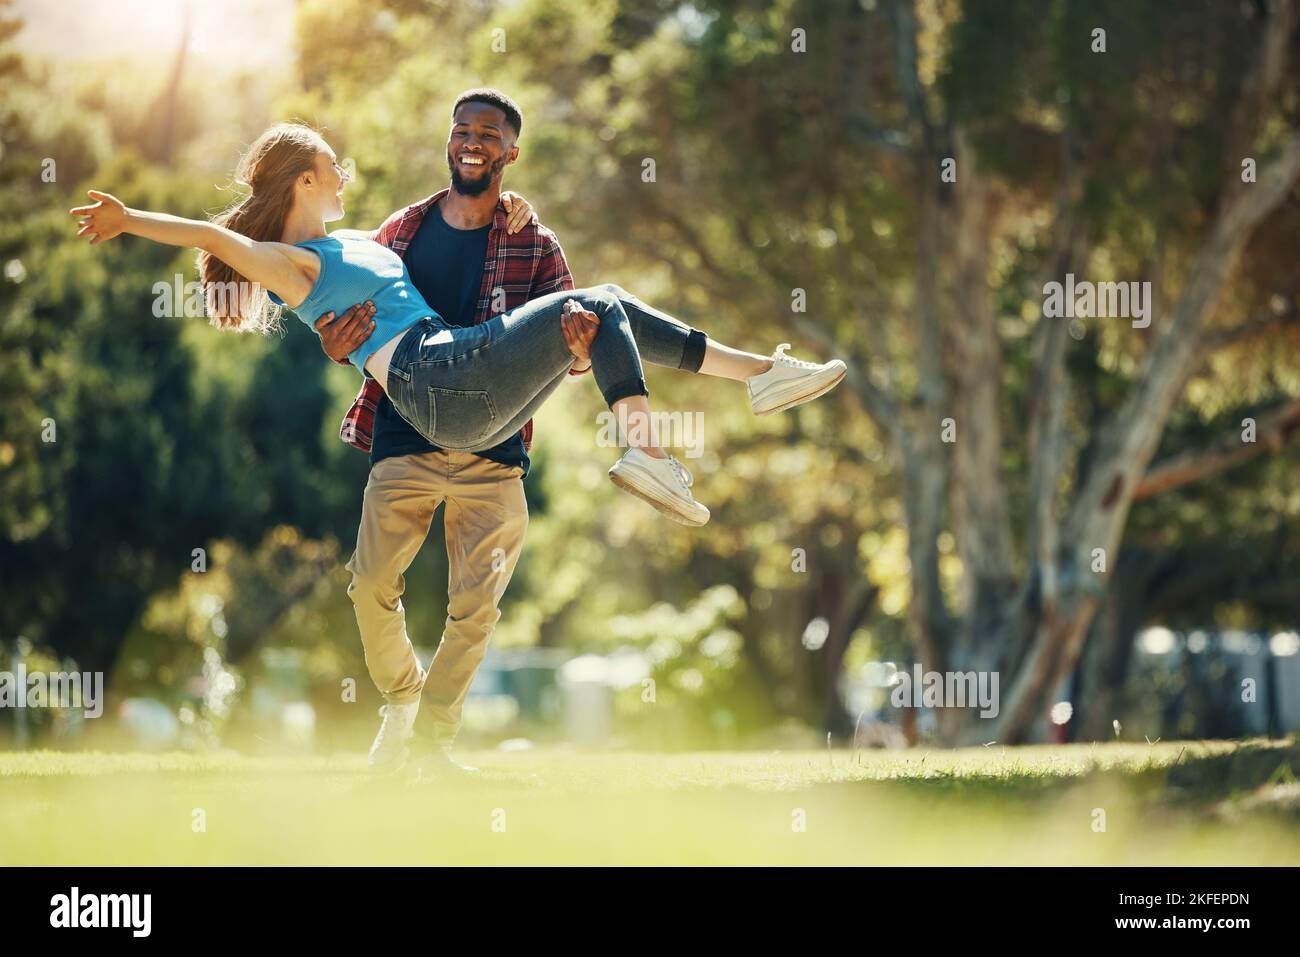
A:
x,y
340,337
519,212
580,328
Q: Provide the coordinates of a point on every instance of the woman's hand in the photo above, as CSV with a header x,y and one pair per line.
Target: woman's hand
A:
x,y
102,221
519,212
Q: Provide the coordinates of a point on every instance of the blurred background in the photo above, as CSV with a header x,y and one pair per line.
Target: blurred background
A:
x,y
1078,505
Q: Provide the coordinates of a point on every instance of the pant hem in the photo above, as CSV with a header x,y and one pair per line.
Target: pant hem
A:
x,y
402,699
623,390
693,352
441,740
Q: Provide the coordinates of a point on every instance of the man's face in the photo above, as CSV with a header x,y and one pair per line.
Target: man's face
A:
x,y
480,147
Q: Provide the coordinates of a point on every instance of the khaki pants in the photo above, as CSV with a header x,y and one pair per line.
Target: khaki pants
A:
x,y
485,521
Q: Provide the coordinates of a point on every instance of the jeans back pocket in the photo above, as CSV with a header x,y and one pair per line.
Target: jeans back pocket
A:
x,y
460,418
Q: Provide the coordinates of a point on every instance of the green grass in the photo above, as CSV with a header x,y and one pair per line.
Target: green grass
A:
x,y
1179,803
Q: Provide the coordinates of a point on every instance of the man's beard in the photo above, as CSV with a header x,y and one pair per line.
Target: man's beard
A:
x,y
474,187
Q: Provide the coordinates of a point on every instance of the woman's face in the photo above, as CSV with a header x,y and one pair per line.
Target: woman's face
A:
x,y
325,184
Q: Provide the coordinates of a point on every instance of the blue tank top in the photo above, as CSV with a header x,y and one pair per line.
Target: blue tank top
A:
x,y
352,271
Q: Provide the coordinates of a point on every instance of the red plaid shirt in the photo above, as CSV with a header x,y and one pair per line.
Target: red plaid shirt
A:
x,y
523,266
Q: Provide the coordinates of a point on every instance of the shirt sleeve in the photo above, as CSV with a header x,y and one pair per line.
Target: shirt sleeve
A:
x,y
387,230
553,275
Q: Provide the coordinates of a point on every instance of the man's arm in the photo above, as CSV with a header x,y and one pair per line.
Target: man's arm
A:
x,y
579,327
552,272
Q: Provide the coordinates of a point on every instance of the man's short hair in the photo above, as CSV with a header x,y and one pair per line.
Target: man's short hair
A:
x,y
493,97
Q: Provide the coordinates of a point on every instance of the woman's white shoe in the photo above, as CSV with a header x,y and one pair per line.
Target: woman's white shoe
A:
x,y
664,483
791,382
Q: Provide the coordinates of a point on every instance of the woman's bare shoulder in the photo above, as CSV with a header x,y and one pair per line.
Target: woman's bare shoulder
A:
x,y
353,234
305,260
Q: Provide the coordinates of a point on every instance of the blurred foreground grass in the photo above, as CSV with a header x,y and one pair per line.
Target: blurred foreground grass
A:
x,y
1177,803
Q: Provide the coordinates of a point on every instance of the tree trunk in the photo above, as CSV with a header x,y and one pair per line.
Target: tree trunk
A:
x,y
1108,653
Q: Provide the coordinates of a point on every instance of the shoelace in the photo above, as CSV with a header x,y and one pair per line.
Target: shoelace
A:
x,y
683,473
385,727
780,356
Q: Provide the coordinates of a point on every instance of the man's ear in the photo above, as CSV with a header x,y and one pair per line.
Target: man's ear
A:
x,y
512,155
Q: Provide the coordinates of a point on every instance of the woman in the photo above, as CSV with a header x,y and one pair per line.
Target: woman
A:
x,y
464,389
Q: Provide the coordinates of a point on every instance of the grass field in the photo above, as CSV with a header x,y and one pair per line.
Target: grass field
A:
x,y
1178,803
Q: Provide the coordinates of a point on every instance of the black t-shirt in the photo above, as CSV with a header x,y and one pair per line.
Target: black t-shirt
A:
x,y
446,265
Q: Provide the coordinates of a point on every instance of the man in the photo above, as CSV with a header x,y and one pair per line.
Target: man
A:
x,y
464,260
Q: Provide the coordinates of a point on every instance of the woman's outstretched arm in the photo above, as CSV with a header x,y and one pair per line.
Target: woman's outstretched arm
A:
x,y
269,264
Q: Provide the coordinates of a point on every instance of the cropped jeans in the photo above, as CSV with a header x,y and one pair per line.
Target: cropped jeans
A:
x,y
470,388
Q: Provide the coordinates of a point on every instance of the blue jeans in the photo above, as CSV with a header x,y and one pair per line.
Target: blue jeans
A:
x,y
468,389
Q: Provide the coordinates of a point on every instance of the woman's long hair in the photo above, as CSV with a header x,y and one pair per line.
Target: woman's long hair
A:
x,y
268,169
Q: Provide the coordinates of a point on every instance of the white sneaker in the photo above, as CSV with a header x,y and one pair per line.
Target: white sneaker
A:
x,y
390,748
791,382
437,763
664,483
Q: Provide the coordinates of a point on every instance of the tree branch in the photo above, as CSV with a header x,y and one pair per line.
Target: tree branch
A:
x,y
1273,431
1261,325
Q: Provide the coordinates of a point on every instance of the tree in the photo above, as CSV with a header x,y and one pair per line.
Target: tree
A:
x,y
776,171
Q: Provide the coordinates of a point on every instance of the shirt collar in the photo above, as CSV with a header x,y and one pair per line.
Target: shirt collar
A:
x,y
499,220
